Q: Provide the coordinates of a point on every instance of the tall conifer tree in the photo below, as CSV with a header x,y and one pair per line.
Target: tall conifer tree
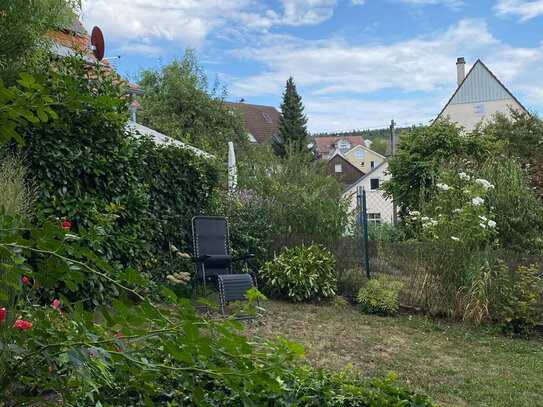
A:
x,y
292,122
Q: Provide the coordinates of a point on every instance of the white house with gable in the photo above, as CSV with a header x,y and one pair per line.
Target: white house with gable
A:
x,y
379,208
478,97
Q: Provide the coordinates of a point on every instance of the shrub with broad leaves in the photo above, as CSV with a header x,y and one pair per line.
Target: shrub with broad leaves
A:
x,y
302,273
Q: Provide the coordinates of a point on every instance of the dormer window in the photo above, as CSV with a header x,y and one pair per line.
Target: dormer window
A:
x,y
267,117
343,145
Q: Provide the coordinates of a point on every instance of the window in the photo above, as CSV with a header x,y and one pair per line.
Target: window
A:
x,y
362,163
343,145
251,138
374,219
267,117
480,109
278,138
372,164
359,154
338,168
374,183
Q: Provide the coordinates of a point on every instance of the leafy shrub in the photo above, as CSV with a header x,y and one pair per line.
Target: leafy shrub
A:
x,y
306,200
379,296
347,388
522,301
252,222
181,185
301,273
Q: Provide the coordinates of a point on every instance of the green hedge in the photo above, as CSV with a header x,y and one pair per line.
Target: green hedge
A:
x,y
135,196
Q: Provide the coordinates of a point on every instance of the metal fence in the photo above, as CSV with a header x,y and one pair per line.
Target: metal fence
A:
x,y
373,250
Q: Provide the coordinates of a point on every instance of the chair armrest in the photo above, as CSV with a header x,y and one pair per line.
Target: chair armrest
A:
x,y
200,258
243,258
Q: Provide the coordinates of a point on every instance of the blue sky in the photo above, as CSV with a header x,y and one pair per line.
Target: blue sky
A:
x,y
357,63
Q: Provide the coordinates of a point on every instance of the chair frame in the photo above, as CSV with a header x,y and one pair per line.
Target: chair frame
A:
x,y
199,261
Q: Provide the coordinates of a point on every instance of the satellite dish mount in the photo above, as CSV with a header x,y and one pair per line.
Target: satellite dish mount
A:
x,y
97,43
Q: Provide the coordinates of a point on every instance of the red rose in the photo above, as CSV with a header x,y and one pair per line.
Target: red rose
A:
x,y
22,324
25,279
50,368
66,225
3,314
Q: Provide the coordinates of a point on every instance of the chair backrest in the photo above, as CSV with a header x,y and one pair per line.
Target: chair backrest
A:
x,y
210,237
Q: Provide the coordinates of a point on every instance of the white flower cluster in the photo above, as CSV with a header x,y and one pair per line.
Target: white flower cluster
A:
x,y
444,187
487,185
491,224
477,201
430,222
463,175
455,238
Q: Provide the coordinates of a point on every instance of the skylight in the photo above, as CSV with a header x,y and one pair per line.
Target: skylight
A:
x,y
277,138
252,138
267,117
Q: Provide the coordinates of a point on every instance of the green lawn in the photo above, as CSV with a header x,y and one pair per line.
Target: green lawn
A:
x,y
455,365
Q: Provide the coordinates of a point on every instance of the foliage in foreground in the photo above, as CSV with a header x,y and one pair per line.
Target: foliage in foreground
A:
x,y
301,273
138,354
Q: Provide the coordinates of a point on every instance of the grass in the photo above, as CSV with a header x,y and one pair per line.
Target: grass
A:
x,y
454,364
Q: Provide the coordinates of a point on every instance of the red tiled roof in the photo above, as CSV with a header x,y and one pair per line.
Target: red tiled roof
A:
x,y
255,123
324,144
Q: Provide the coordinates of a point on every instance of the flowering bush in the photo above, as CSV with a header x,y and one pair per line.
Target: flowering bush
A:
x,y
459,212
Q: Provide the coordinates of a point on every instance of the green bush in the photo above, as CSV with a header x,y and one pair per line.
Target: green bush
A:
x,y
181,185
306,200
301,273
252,222
379,296
522,301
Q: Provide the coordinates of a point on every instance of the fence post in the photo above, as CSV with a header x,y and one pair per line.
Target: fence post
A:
x,y
363,221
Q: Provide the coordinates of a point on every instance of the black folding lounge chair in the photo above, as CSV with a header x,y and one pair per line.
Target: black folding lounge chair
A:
x,y
213,260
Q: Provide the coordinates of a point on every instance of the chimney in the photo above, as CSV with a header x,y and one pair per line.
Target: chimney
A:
x,y
460,69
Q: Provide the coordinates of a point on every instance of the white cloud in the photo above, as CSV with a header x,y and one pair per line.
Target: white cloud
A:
x,y
342,114
190,22
524,9
358,2
421,64
354,77
453,4
186,22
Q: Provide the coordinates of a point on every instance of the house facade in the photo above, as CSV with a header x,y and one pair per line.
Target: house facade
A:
x,y
325,147
343,170
364,158
379,208
261,122
478,97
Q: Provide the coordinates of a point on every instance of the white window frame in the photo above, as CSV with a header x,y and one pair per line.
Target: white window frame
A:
x,y
337,168
359,154
374,219
378,184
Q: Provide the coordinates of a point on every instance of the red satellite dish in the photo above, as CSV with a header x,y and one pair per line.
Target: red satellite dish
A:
x,y
97,43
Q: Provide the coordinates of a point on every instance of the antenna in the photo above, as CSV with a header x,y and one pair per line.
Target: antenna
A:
x,y
97,43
